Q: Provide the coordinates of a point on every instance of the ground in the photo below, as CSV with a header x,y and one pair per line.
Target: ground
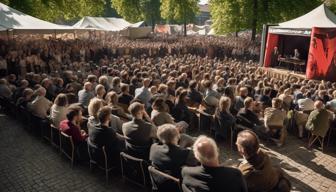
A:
x,y
27,163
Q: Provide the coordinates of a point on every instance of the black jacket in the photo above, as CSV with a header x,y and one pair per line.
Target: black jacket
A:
x,y
171,158
212,179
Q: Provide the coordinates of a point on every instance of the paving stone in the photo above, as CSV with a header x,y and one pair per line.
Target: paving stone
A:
x,y
27,163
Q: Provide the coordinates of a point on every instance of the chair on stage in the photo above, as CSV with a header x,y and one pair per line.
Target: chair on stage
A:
x,y
162,182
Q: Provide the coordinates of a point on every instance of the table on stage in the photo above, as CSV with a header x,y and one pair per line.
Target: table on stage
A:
x,y
296,63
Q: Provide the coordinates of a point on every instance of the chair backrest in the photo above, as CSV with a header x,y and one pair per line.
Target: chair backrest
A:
x,y
67,145
97,155
163,182
55,135
134,169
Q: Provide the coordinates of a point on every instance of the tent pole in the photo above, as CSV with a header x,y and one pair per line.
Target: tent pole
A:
x,y
7,34
55,34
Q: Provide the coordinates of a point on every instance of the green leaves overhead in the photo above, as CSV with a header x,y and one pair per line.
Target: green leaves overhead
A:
x,y
237,15
58,10
138,10
179,10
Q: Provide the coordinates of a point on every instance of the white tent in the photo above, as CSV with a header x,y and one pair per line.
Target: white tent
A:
x,y
320,17
104,23
12,19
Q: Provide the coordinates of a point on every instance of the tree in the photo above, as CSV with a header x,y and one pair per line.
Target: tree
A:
x,y
179,10
138,10
233,15
58,10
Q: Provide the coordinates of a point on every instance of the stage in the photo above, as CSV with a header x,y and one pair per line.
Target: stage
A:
x,y
282,73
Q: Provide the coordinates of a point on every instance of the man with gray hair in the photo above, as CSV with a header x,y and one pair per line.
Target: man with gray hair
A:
x,y
40,105
167,155
211,176
85,95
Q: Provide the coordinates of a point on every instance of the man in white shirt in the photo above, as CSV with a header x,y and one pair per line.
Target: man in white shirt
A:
x,y
143,93
40,105
306,105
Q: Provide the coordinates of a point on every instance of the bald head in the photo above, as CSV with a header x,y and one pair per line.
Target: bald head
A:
x,y
206,151
247,143
318,105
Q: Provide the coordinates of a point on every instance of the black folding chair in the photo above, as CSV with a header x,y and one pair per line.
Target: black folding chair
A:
x,y
162,182
134,170
98,157
55,136
67,147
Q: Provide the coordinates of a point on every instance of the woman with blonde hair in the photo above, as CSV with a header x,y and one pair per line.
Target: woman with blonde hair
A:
x,y
58,110
111,99
93,108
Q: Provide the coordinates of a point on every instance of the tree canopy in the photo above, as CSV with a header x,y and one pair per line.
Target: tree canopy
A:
x,y
61,10
182,11
138,10
237,15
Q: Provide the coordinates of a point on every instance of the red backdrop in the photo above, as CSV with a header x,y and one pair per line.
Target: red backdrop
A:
x,y
272,41
322,54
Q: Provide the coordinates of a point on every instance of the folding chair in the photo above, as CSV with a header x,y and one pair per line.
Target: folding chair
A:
x,y
162,182
134,170
98,156
55,136
67,147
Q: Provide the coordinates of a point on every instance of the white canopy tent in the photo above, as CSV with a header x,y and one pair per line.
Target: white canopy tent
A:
x,y
105,23
321,17
18,22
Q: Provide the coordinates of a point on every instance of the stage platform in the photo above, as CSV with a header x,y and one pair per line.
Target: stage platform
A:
x,y
282,73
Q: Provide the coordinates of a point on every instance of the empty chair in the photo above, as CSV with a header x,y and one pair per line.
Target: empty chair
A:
x,y
134,170
67,147
162,182
99,157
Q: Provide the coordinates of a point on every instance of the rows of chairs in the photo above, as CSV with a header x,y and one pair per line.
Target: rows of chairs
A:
x,y
134,170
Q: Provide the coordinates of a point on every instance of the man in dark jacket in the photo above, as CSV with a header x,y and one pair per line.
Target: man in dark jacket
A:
x,y
139,133
211,176
104,135
167,156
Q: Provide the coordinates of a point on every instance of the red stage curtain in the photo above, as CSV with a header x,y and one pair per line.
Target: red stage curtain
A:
x,y
322,54
272,41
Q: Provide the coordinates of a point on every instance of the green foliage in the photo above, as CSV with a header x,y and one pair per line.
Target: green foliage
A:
x,y
58,10
138,10
237,15
179,10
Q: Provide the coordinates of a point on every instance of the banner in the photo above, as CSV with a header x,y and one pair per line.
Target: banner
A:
x,y
322,55
272,41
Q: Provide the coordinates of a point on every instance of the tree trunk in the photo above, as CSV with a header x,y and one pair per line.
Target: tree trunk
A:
x,y
254,19
185,28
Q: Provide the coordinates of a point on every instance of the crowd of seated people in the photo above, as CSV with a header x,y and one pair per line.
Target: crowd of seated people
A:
x,y
146,106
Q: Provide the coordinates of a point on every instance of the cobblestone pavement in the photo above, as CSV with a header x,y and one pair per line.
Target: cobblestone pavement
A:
x,y
29,164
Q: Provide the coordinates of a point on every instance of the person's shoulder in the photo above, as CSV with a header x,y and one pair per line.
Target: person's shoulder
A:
x,y
191,170
230,170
